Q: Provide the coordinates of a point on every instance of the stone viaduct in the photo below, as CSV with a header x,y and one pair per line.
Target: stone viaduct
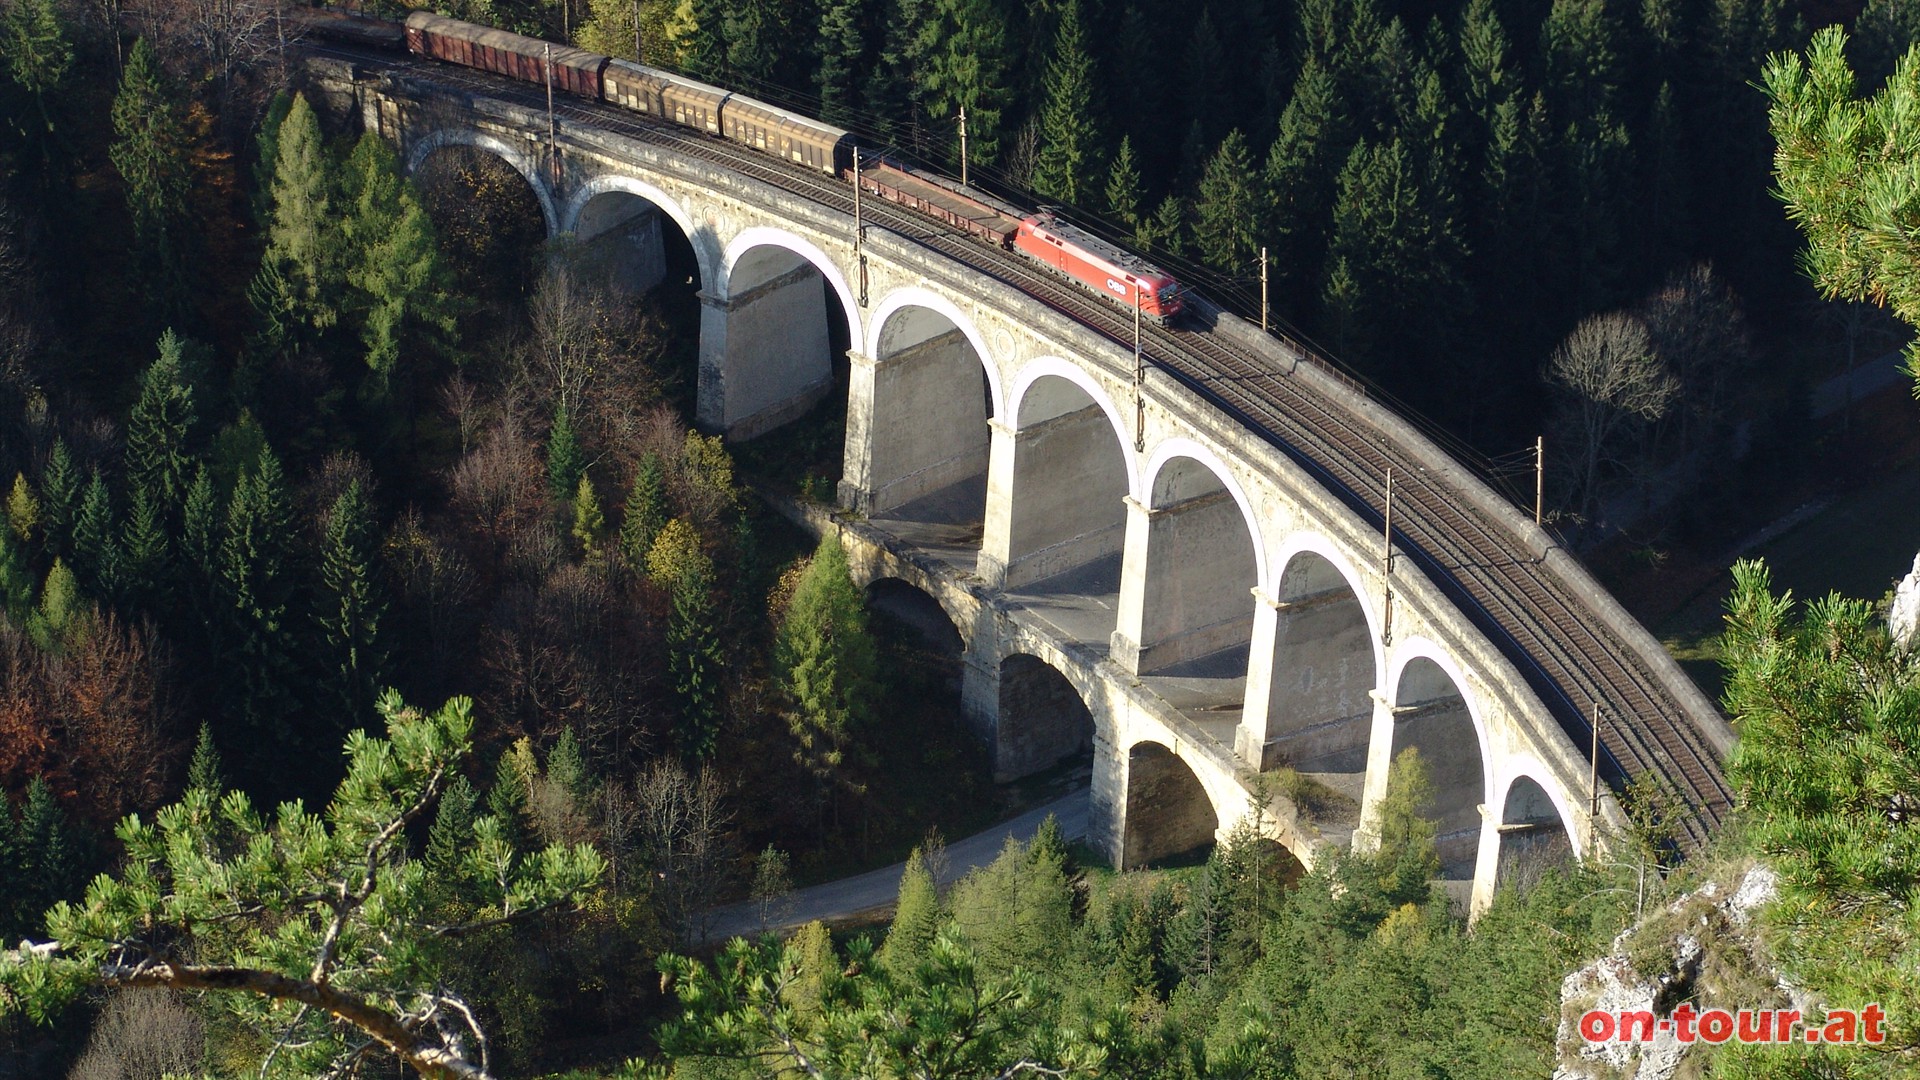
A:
x,y
1141,577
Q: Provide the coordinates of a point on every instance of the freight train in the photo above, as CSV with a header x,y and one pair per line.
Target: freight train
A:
x,y
1089,262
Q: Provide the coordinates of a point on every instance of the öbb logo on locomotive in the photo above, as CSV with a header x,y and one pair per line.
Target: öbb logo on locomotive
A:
x,y
1082,258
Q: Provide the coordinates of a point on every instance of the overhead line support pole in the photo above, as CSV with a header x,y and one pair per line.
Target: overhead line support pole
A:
x,y
1263,290
963,146
1139,380
859,229
1386,565
1539,476
553,141
1593,779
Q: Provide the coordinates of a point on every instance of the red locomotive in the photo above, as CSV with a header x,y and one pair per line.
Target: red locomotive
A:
x,y
1099,266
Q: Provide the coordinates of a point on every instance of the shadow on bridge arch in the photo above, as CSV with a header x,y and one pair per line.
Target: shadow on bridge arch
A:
x,y
1325,666
1168,817
1197,566
1058,515
1431,714
773,341
634,236
491,206
1533,835
918,456
1042,721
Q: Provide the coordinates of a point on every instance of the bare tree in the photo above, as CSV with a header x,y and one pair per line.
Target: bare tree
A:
x,y
1611,381
142,1035
685,830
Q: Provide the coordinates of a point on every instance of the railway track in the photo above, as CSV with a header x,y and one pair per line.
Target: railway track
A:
x,y
1571,657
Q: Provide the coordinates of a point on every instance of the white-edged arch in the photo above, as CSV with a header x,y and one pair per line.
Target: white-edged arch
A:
x,y
704,243
1307,542
1416,647
918,296
755,236
520,160
1166,451
1106,727
1044,366
1525,764
1205,777
953,617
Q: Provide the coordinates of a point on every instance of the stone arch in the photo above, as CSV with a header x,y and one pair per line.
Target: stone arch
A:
x,y
918,296
522,162
768,349
1169,812
1063,493
576,219
1317,708
1052,366
1533,833
920,610
924,446
1433,712
1042,719
1193,571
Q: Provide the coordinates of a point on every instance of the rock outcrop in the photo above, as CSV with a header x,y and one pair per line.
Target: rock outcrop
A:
x,y
1903,619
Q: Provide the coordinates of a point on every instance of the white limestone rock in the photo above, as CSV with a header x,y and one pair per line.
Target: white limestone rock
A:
x,y
1904,618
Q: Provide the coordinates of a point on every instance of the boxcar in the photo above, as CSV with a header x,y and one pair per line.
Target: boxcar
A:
x,y
786,134
1099,266
965,209
663,94
575,71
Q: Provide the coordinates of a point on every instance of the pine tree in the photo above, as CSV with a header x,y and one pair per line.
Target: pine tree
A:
x,y
646,511
16,582
1209,97
1123,186
589,521
15,915
200,527
302,235
351,603
761,39
203,771
825,660
694,662
894,96
916,920
23,509
37,50
266,155
1071,140
1167,231
842,48
60,602
144,573
706,55
1300,175
402,288
967,57
256,586
564,462
151,155
158,429
1225,214
507,803
60,492
452,834
48,851
95,543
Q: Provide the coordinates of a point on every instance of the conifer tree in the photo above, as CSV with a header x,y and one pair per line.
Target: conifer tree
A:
x,y
95,543
256,582
452,833
759,36
825,659
150,153
611,29
23,509
507,803
916,919
646,511
200,527
158,429
894,95
203,771
351,603
589,521
694,661
48,853
706,55
843,66
564,462
1225,214
16,582
966,61
1070,134
60,602
266,144
401,286
60,492
37,50
1209,97
1123,186
302,236
144,573
1167,230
